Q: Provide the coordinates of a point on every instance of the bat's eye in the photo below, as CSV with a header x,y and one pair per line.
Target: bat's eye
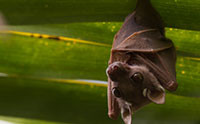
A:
x,y
116,92
137,77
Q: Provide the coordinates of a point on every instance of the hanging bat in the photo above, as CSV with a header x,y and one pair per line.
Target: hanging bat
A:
x,y
141,65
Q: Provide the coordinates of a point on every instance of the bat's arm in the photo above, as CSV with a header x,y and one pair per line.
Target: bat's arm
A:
x,y
113,106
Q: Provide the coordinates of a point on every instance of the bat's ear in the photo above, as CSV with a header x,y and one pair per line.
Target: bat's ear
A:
x,y
157,96
126,113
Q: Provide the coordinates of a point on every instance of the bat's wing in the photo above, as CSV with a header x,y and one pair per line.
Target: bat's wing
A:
x,y
136,38
167,62
162,64
149,40
113,106
142,31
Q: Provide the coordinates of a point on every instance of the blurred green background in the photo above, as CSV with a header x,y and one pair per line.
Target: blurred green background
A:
x,y
49,81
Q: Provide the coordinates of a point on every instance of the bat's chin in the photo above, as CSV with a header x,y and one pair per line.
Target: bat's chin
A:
x,y
145,97
139,104
136,101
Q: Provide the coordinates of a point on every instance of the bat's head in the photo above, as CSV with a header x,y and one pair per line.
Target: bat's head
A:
x,y
135,84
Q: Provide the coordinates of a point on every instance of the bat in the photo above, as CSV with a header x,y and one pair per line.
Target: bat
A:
x,y
141,65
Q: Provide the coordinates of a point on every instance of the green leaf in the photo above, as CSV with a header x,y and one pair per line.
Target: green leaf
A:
x,y
77,103
49,58
14,120
176,13
36,76
67,58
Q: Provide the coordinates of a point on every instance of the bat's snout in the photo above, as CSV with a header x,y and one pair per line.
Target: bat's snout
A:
x,y
112,69
115,70
171,86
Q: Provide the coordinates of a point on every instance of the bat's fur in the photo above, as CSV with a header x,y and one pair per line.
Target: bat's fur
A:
x,y
140,46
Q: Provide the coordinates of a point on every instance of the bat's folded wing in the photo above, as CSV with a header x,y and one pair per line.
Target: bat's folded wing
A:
x,y
148,41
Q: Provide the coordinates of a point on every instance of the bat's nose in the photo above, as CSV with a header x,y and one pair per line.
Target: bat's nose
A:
x,y
112,69
117,71
112,72
171,85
